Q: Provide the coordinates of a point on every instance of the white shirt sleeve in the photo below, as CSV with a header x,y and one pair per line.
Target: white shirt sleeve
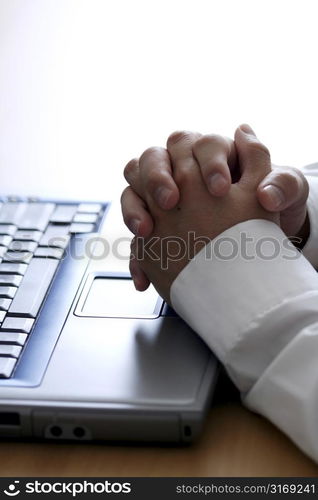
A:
x,y
253,298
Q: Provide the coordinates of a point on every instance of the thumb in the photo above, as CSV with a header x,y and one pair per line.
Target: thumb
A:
x,y
254,158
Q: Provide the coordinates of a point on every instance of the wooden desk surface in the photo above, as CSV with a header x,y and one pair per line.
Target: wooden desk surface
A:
x,y
235,442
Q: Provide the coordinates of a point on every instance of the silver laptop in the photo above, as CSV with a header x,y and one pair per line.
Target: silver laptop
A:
x,y
83,356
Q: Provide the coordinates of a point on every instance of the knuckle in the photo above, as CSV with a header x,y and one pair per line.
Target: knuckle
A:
x,y
288,180
213,166
294,181
185,177
154,179
178,136
211,140
123,196
126,217
127,208
298,174
130,168
154,151
258,147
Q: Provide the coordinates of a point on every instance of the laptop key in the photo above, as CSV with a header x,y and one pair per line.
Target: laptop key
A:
x,y
3,251
13,338
89,208
10,213
23,325
7,229
10,279
5,240
51,253
5,304
2,315
56,236
33,288
12,351
86,218
23,257
10,268
24,235
8,291
6,367
63,214
36,216
23,246
77,227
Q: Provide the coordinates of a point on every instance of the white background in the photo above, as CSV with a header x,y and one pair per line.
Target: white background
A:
x,y
85,85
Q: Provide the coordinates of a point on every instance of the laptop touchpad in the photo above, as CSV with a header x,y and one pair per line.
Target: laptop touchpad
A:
x,y
111,297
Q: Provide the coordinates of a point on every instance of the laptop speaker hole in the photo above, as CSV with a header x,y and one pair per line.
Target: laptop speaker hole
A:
x,y
56,431
79,432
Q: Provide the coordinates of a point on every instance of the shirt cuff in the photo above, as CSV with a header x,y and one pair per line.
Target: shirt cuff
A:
x,y
230,293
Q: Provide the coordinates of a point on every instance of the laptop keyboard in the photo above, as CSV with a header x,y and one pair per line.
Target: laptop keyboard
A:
x,y
34,236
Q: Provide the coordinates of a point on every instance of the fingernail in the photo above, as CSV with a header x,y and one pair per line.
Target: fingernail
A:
x,y
217,183
134,225
275,195
247,129
162,195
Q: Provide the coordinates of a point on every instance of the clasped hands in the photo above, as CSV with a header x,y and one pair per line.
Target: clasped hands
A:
x,y
203,184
